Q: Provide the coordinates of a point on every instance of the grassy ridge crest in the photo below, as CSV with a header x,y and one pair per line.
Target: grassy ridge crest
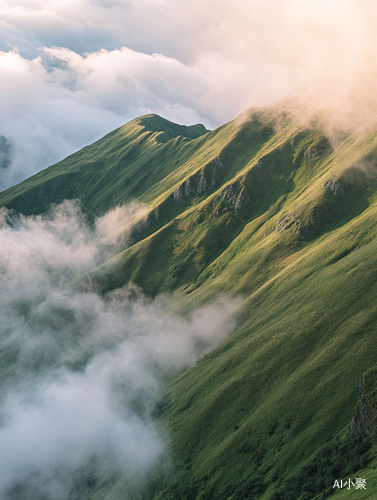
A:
x,y
270,210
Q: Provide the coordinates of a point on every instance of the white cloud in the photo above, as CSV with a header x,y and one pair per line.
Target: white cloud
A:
x,y
83,68
80,372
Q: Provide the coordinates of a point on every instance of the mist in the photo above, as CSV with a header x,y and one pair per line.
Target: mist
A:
x,y
73,71
81,372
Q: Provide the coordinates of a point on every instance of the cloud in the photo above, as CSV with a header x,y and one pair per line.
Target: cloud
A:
x,y
61,100
112,228
43,119
72,71
79,371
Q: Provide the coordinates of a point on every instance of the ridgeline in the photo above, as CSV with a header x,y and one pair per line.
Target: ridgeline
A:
x,y
270,210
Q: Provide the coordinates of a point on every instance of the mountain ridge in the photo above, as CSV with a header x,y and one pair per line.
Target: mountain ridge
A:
x,y
270,210
85,166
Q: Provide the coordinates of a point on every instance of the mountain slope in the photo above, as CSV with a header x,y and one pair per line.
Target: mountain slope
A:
x,y
267,209
110,171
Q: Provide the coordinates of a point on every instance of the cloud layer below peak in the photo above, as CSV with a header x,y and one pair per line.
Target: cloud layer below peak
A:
x,y
80,372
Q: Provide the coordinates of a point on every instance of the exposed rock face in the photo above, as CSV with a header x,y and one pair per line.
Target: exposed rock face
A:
x,y
236,195
199,182
183,191
334,186
195,185
191,186
242,200
178,193
260,162
311,152
286,222
365,416
217,168
229,193
202,184
218,162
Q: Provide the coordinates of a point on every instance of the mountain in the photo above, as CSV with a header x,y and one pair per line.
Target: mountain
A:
x,y
283,215
120,166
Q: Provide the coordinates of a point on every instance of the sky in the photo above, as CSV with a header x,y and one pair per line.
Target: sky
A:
x,y
71,71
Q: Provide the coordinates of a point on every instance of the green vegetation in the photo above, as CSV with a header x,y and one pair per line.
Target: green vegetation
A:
x,y
267,209
337,459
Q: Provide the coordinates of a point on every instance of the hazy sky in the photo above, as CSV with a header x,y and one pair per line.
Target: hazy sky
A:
x,y
70,71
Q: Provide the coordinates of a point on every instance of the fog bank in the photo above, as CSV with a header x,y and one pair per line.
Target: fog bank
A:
x,y
80,372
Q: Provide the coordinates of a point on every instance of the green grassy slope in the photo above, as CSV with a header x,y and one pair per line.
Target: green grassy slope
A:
x,y
266,209
109,172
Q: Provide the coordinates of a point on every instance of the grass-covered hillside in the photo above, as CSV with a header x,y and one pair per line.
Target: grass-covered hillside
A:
x,y
273,211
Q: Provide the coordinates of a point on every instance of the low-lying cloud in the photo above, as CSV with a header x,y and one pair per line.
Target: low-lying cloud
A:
x,y
80,372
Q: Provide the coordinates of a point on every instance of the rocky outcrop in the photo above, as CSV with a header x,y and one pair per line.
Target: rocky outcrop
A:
x,y
365,415
242,200
182,191
196,185
287,222
229,193
192,186
217,171
335,186
218,161
236,195
202,184
199,182
311,152
364,418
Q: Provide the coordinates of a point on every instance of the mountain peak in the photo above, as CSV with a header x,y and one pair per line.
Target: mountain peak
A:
x,y
155,123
